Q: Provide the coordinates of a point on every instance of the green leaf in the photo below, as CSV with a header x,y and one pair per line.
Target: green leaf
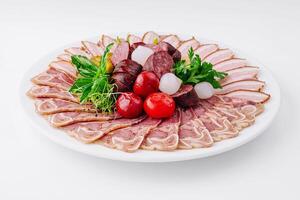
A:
x,y
79,84
84,66
85,93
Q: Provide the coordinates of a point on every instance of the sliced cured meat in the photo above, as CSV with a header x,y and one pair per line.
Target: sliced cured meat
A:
x,y
121,52
254,85
67,118
186,45
186,96
53,78
65,67
106,40
165,136
230,64
257,97
77,51
88,132
172,51
172,40
52,106
239,74
51,92
130,139
159,63
93,48
133,39
65,57
219,56
150,37
204,50
192,132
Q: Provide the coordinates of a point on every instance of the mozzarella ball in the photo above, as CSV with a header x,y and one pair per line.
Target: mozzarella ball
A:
x,y
141,54
204,90
169,83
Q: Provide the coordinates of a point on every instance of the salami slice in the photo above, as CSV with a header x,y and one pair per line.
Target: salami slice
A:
x,y
186,96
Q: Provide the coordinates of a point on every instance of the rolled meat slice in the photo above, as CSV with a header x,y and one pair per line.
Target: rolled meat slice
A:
x,y
65,67
219,56
64,57
230,64
172,40
133,39
238,74
186,45
254,85
150,37
106,40
93,48
77,51
257,97
121,52
204,50
159,63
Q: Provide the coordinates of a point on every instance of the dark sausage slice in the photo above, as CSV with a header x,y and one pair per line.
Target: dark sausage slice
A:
x,y
164,46
159,63
186,96
120,53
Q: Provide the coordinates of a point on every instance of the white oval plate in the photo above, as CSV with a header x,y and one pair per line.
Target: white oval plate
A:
x,y
58,136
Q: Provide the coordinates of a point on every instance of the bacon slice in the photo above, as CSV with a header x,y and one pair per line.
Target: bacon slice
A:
x,y
186,45
219,56
238,74
65,57
53,78
257,97
130,139
93,48
88,132
230,64
205,50
133,39
150,37
52,106
192,132
68,118
254,85
172,40
51,92
65,67
165,136
77,51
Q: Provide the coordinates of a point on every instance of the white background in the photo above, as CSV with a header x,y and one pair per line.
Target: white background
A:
x,y
32,167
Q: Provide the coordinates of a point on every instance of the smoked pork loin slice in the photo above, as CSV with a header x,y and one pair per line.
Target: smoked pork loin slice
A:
x,y
93,48
78,51
230,64
204,50
172,40
133,39
253,85
238,74
219,56
150,37
186,45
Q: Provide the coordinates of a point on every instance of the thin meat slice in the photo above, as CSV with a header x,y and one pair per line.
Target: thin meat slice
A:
x,y
254,85
121,52
133,39
165,136
88,132
257,97
67,118
186,45
77,51
150,37
230,64
172,40
204,50
130,139
52,106
53,78
106,40
238,74
65,67
219,56
192,132
65,57
93,48
51,92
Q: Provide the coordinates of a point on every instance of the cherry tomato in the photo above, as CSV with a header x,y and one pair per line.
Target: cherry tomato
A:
x,y
145,84
159,105
129,105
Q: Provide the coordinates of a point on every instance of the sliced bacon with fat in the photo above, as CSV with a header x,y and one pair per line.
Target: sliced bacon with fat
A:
x,y
238,74
254,85
133,39
205,50
257,97
172,40
230,64
93,48
186,45
149,37
219,56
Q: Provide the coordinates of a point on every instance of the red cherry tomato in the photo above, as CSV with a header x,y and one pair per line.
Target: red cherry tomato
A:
x,y
129,105
145,84
159,105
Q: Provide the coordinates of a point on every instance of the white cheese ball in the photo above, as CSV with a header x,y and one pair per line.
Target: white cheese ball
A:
x,y
141,54
169,83
204,90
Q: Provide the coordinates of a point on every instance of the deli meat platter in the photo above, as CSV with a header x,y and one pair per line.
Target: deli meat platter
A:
x,y
150,97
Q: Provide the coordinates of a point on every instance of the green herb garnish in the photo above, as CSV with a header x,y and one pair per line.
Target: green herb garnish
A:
x,y
197,71
93,83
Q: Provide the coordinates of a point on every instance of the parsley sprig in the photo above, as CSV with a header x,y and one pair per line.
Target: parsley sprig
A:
x,y
196,71
92,84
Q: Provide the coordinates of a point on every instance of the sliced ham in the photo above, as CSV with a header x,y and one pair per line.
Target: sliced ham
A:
x,y
52,106
67,118
65,67
53,78
172,40
257,97
239,74
219,56
51,92
77,51
88,132
150,37
254,85
186,45
130,139
133,39
165,136
93,48
121,52
204,50
65,57
230,64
